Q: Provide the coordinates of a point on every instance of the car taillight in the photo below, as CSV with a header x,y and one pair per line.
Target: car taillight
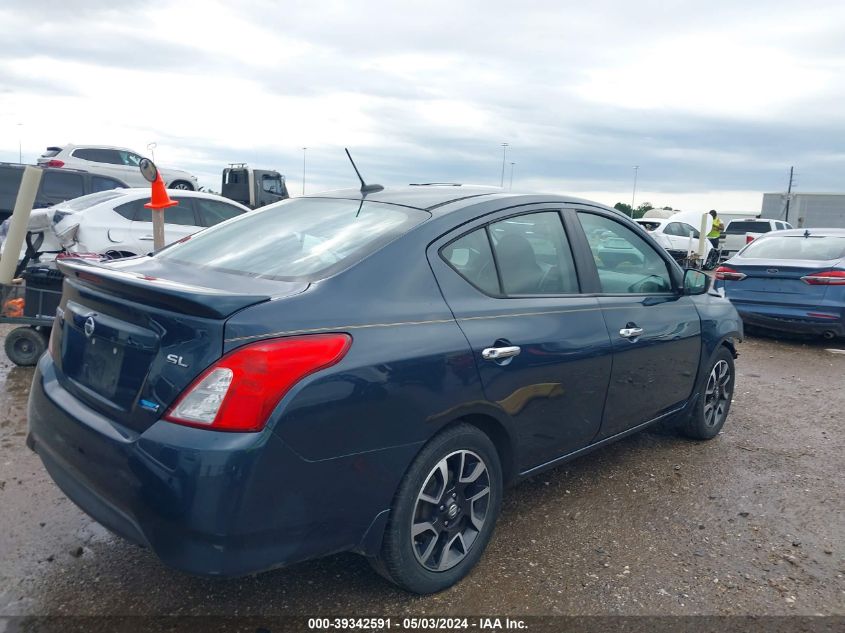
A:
x,y
53,162
828,278
726,273
749,239
240,391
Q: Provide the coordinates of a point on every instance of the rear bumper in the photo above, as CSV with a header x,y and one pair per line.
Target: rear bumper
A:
x,y
209,503
793,320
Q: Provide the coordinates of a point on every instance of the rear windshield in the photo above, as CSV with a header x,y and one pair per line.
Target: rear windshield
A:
x,y
814,247
83,202
51,151
296,240
744,226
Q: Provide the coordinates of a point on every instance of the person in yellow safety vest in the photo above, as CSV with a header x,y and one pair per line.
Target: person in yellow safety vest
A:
x,y
715,232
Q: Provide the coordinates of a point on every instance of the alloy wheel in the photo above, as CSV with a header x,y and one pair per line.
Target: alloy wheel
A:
x,y
450,511
717,394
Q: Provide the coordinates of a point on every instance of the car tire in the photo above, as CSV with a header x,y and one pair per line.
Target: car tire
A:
x,y
25,345
460,469
714,398
182,185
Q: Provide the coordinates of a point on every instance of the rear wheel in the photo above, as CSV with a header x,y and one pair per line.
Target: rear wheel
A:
x,y
181,184
444,512
24,346
714,399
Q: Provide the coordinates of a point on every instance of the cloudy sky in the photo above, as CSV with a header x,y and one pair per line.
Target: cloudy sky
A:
x,y
712,100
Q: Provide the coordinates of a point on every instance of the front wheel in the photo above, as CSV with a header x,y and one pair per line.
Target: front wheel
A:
x,y
183,185
714,399
24,345
444,512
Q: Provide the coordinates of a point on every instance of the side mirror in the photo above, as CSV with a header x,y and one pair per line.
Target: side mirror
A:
x,y
148,169
695,282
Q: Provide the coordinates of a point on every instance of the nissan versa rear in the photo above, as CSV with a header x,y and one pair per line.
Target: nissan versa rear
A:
x,y
366,372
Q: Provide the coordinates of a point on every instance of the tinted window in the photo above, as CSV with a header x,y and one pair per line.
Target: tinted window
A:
x,y
128,158
101,183
10,181
814,247
625,262
182,213
533,255
51,151
62,185
128,209
673,228
742,227
97,155
306,238
472,258
214,212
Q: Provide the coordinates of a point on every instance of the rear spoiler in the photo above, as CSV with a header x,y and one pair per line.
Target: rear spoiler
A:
x,y
157,292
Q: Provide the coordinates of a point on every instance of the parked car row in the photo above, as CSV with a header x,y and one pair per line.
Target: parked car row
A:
x,y
115,162
117,224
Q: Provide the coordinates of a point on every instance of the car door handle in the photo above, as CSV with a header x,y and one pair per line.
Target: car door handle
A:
x,y
499,353
630,332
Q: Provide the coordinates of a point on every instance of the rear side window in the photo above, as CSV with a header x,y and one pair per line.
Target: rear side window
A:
x,y
533,255
101,183
742,227
98,155
814,247
303,239
214,212
62,185
472,259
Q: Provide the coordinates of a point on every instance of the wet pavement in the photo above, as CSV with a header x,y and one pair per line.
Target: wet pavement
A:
x,y
749,523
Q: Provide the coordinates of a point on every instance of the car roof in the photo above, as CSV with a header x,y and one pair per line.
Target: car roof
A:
x,y
441,196
137,193
73,146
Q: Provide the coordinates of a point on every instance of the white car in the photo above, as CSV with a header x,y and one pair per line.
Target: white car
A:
x,y
738,233
674,236
117,162
116,223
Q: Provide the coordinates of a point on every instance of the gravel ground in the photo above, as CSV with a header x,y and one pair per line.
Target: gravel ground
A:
x,y
749,523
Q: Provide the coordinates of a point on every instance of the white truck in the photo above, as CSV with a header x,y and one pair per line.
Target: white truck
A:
x,y
739,232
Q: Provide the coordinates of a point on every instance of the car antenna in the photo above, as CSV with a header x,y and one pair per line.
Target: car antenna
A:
x,y
365,188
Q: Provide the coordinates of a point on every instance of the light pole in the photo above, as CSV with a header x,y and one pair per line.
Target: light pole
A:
x,y
20,150
304,149
634,194
511,185
504,156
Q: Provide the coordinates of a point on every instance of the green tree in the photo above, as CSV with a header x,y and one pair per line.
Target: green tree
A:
x,y
624,208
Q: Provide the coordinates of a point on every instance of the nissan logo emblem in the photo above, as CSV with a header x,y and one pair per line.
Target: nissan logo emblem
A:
x,y
89,326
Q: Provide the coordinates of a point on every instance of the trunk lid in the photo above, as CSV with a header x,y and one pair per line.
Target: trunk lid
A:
x,y
777,281
131,335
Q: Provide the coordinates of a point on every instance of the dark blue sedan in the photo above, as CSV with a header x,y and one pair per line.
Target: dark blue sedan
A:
x,y
366,372
790,281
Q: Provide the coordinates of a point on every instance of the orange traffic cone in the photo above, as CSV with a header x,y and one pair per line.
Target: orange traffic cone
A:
x,y
160,199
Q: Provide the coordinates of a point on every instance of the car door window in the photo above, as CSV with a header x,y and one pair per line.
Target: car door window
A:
x,y
182,214
471,257
625,262
128,158
101,183
673,228
533,255
62,185
213,212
